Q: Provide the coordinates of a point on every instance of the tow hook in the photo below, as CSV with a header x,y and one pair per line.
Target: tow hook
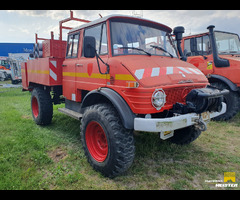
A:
x,y
201,125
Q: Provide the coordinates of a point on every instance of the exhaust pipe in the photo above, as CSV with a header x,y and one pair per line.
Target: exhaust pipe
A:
x,y
218,62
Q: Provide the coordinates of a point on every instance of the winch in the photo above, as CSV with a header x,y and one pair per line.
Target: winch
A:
x,y
201,100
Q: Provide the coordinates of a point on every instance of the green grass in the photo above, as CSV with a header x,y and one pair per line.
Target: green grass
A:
x,y
51,157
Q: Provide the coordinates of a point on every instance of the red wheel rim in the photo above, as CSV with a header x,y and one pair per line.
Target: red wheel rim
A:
x,y
35,109
96,141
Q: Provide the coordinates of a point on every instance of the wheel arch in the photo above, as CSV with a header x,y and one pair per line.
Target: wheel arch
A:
x,y
214,78
112,97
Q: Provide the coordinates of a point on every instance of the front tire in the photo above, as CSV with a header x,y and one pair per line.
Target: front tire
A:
x,y
185,136
232,101
108,146
42,107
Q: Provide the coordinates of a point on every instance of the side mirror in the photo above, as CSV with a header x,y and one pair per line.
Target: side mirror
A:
x,y
89,43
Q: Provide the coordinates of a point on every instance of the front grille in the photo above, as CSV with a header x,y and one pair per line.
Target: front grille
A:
x,y
175,95
140,100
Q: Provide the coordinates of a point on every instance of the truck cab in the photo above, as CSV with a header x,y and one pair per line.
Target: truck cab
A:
x,y
120,74
131,48
217,55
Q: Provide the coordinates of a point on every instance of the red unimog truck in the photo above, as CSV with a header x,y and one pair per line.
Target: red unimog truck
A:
x,y
119,74
217,55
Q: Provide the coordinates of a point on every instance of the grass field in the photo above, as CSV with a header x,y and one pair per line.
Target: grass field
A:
x,y
51,157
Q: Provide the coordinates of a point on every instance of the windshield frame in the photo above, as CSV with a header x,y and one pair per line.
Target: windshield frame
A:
x,y
146,24
227,52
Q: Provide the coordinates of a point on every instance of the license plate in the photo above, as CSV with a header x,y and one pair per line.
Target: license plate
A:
x,y
166,134
205,116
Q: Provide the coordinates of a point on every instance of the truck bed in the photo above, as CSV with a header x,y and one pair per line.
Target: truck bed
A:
x,y
44,71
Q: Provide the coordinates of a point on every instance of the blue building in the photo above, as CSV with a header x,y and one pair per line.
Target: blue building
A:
x,y
6,48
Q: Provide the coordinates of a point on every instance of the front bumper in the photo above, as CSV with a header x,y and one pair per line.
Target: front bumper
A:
x,y
174,123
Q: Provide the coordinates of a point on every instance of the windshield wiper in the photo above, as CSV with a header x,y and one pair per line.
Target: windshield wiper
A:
x,y
162,49
233,51
136,49
223,52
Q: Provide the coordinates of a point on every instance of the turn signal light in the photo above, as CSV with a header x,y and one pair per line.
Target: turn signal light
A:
x,y
132,84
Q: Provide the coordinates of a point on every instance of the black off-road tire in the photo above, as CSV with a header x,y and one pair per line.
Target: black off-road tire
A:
x,y
185,136
232,101
42,107
113,153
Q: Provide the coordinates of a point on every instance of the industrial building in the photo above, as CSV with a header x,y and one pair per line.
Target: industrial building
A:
x,y
23,48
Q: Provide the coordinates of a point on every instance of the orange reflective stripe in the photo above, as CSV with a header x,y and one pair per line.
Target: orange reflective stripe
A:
x,y
123,77
85,75
38,71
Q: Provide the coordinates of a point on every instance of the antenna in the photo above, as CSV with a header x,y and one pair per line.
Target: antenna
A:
x,y
137,13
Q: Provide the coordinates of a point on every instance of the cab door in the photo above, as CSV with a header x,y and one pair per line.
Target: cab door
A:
x,y
198,52
88,73
69,67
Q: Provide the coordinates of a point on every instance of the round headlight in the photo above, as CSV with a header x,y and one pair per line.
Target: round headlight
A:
x,y
158,99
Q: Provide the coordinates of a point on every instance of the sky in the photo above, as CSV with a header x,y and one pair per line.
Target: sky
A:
x,y
20,26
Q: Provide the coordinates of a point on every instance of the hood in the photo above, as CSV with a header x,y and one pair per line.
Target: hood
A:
x,y
231,57
234,60
152,71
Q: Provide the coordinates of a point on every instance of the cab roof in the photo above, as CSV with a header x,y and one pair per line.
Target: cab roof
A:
x,y
127,18
205,33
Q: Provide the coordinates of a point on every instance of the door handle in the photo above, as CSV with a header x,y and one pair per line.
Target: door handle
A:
x,y
64,65
78,65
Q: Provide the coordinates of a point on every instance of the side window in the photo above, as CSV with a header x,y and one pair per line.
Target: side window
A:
x,y
187,48
72,46
206,45
197,46
100,34
103,44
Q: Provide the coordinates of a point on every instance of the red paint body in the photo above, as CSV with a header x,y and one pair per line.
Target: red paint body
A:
x,y
232,72
175,77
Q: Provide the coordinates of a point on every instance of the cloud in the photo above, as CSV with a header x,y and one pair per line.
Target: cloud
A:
x,y
29,12
227,14
53,14
197,21
190,19
94,14
44,21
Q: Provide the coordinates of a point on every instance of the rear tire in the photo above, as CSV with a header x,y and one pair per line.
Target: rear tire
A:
x,y
108,146
42,107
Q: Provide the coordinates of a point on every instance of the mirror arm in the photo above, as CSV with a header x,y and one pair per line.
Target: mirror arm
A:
x,y
98,57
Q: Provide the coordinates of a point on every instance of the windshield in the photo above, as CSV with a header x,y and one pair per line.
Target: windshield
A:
x,y
128,38
227,43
